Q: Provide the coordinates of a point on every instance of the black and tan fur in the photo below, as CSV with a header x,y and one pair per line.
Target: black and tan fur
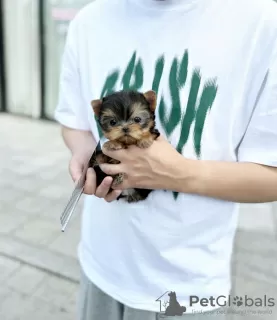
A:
x,y
126,118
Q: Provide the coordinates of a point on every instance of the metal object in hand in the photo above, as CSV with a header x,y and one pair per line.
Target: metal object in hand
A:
x,y
76,194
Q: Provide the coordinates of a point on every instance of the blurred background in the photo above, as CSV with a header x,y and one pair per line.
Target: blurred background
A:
x,y
39,271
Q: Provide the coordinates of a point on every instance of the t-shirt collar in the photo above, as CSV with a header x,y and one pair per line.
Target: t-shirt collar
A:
x,y
167,4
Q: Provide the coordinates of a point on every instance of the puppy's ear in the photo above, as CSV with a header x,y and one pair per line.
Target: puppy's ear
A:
x,y
96,106
151,97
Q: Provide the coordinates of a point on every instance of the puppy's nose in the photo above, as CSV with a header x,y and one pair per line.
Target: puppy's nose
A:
x,y
125,129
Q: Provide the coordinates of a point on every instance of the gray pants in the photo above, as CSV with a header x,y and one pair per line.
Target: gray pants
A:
x,y
94,304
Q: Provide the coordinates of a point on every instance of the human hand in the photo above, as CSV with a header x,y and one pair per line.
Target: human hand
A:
x,y
156,167
76,167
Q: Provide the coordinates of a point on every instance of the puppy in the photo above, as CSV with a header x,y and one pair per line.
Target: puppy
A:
x,y
126,118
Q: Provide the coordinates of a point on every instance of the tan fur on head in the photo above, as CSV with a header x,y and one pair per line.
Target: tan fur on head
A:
x,y
134,125
126,118
96,106
114,133
151,97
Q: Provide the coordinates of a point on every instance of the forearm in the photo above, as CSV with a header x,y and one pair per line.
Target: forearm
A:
x,y
237,182
78,141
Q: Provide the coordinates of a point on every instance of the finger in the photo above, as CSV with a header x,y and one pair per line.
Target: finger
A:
x,y
104,187
161,138
122,186
111,196
111,169
115,154
90,184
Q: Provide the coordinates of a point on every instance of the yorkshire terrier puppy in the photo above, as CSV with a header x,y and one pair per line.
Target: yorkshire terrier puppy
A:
x,y
126,118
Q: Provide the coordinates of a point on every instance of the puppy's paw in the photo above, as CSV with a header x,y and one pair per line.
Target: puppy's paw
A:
x,y
118,179
112,161
145,143
102,158
134,196
113,145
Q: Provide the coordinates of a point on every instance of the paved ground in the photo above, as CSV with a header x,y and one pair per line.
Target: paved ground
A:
x,y
38,265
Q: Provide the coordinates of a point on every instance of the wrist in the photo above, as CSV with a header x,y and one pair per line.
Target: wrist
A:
x,y
188,175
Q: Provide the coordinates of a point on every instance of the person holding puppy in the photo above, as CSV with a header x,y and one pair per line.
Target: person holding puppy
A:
x,y
213,66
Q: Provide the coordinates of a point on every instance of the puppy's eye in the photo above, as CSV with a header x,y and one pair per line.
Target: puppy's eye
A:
x,y
112,122
137,119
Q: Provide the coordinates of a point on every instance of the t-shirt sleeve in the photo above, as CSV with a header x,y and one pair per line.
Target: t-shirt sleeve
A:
x,y
259,144
71,110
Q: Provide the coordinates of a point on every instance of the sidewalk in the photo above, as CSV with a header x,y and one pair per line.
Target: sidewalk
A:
x,y
39,269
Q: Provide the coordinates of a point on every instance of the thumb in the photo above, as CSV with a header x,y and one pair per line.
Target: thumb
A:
x,y
76,167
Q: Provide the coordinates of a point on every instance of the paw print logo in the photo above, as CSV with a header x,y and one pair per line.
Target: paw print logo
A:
x,y
237,301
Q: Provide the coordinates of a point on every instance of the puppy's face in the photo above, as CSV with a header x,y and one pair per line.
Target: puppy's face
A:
x,y
126,116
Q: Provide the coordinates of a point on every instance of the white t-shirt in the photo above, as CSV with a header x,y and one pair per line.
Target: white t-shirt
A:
x,y
214,66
